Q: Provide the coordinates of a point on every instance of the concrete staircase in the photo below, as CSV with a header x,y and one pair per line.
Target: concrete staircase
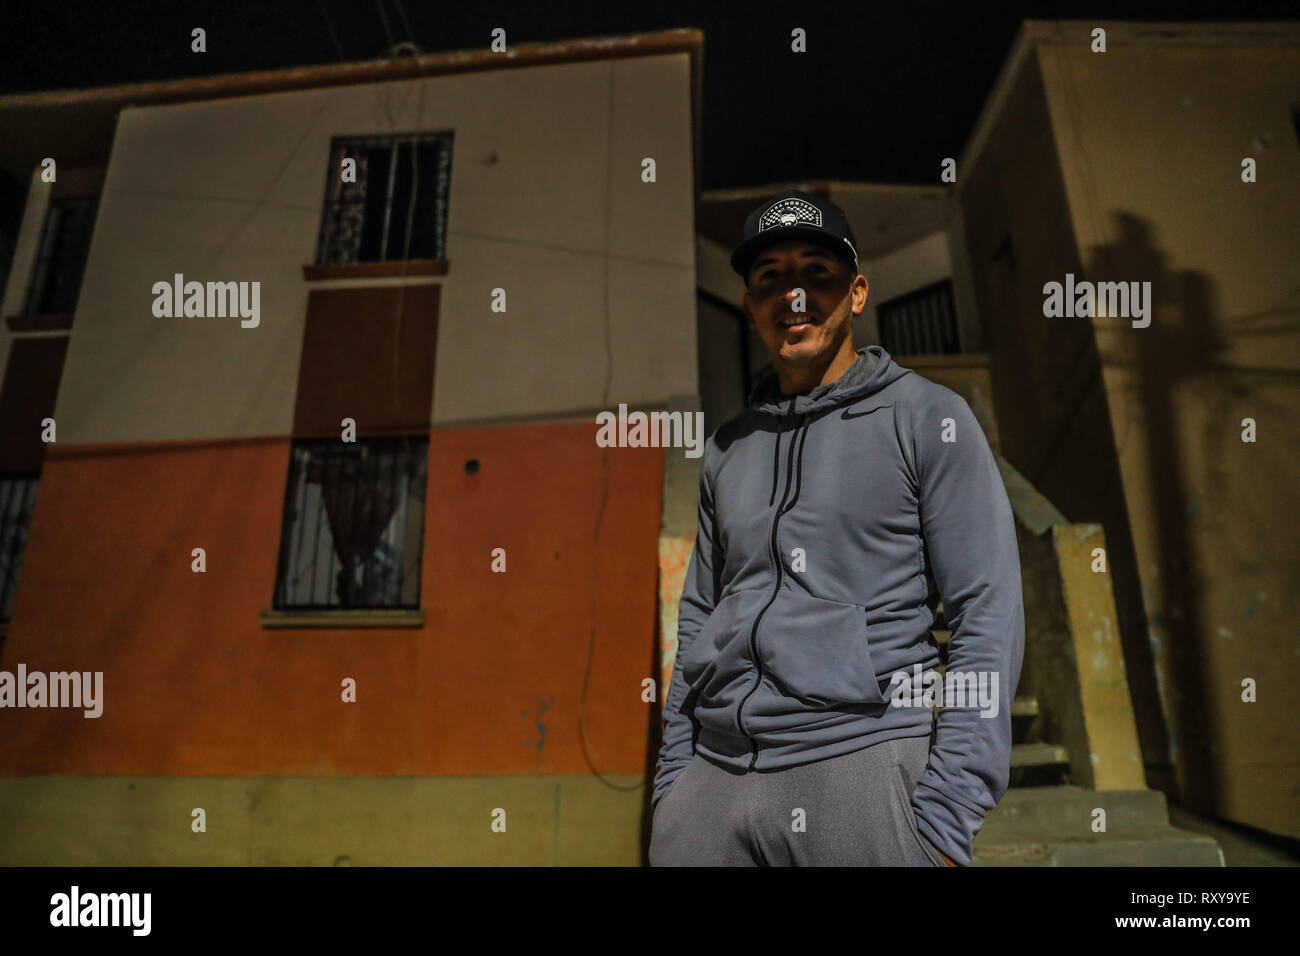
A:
x,y
1045,820
1077,794
1052,826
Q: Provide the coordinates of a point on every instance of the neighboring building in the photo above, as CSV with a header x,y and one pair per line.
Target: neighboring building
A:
x,y
1119,166
496,273
1127,166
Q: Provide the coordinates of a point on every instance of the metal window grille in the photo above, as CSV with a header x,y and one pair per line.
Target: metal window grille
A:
x,y
353,526
396,209
61,256
923,322
17,498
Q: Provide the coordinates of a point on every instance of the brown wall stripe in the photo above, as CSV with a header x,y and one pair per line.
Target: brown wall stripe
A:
x,y
31,384
367,354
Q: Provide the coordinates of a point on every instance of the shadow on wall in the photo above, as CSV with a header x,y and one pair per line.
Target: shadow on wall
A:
x,y
1169,368
1054,427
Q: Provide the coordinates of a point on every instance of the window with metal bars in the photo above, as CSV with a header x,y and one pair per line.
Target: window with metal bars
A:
x,y
17,499
397,207
353,524
923,322
61,256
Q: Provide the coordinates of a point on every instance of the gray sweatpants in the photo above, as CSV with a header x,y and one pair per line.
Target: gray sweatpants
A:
x,y
853,810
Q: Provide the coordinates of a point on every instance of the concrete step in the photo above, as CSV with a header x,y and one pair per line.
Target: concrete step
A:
x,y
1024,710
1164,846
1024,707
1052,826
1067,812
1038,755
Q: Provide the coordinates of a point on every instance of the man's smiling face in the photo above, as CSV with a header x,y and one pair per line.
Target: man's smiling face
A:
x,y
801,342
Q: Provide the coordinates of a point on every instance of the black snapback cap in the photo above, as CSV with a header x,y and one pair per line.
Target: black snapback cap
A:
x,y
795,214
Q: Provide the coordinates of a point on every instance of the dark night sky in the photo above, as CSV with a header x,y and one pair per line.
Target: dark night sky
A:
x,y
884,90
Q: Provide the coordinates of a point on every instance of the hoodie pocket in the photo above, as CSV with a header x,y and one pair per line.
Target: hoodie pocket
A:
x,y
719,653
817,651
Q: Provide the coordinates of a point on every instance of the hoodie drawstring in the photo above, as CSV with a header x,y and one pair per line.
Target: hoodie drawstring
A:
x,y
798,480
776,459
776,454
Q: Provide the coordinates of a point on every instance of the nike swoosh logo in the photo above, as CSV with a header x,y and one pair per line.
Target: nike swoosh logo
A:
x,y
849,414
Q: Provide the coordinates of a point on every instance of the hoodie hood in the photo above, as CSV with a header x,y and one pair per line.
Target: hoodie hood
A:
x,y
871,372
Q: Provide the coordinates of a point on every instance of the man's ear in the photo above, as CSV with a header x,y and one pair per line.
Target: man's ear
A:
x,y
749,315
859,303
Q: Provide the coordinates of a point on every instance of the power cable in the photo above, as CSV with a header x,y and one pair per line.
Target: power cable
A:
x,y
406,24
383,18
329,27
587,750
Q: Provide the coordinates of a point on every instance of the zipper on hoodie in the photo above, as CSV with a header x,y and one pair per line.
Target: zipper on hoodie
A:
x,y
779,567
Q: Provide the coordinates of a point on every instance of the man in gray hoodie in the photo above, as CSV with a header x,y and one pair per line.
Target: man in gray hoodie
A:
x,y
835,513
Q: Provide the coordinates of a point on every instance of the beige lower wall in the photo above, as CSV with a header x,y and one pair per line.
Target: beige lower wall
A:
x,y
321,821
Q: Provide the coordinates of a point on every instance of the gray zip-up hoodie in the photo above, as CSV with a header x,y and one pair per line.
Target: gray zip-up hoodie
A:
x,y
831,523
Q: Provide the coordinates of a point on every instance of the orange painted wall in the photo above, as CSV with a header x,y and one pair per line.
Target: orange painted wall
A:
x,y
193,685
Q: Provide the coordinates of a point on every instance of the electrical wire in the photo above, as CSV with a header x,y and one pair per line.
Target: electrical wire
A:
x,y
383,18
330,29
588,751
406,24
